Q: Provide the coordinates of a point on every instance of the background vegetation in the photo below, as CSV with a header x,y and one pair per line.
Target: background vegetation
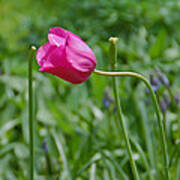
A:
x,y
75,124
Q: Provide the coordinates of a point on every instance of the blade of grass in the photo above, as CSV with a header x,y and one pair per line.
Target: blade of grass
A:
x,y
148,140
93,172
143,156
86,166
178,171
112,160
61,153
146,126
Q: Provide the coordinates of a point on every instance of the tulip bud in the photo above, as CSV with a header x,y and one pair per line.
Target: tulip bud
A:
x,y
113,51
67,56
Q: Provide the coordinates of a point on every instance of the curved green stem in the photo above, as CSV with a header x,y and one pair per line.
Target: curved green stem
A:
x,y
160,123
30,109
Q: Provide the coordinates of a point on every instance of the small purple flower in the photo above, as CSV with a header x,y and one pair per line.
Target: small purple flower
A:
x,y
164,102
162,78
167,99
45,147
176,99
154,83
163,105
107,100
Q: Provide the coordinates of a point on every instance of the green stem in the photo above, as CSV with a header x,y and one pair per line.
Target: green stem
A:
x,y
48,163
174,105
165,124
120,121
124,130
157,110
30,106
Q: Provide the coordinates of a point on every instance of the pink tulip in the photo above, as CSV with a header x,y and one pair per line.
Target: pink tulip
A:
x,y
67,56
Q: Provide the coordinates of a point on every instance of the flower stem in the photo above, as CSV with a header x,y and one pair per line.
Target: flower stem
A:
x,y
157,110
30,106
121,122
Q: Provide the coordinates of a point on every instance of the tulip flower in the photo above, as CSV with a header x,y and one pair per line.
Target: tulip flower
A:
x,y
67,56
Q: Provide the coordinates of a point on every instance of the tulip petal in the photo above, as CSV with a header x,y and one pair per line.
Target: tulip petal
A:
x,y
79,54
46,66
43,52
57,64
57,36
56,58
68,74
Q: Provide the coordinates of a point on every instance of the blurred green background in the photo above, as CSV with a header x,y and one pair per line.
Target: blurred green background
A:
x,y
75,124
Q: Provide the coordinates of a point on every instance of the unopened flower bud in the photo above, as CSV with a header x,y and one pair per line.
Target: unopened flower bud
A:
x,y
67,56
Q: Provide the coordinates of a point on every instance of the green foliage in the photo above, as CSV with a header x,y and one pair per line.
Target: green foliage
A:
x,y
79,130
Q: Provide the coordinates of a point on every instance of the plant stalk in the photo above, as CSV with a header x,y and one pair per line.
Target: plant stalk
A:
x,y
121,122
157,110
30,114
